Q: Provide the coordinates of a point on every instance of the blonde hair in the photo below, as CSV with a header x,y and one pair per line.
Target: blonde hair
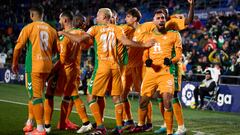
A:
x,y
107,12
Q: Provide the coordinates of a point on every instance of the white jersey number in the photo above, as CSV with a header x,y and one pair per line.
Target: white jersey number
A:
x,y
108,41
44,40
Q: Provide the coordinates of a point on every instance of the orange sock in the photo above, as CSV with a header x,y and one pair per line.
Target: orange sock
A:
x,y
141,116
30,110
168,118
101,102
80,107
127,113
48,110
94,107
69,110
118,113
38,110
149,112
177,109
63,112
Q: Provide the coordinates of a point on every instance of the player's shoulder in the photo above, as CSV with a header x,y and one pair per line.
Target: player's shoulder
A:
x,y
147,24
173,32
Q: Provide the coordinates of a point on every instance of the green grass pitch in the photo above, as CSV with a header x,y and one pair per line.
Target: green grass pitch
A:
x,y
13,114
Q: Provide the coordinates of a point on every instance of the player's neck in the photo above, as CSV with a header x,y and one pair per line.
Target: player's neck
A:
x,y
160,31
68,27
135,24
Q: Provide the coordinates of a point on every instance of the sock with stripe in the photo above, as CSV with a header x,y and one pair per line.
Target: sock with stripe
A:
x,y
80,107
94,107
48,110
168,118
177,109
118,113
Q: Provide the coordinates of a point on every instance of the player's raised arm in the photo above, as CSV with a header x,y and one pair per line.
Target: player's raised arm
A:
x,y
125,41
75,37
189,19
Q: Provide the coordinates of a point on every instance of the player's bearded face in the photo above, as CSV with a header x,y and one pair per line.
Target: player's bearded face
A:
x,y
159,20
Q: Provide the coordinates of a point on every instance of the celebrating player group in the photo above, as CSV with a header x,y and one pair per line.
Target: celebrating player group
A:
x,y
143,57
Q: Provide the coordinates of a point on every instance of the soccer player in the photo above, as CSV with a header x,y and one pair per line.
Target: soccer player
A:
x,y
79,21
132,74
106,67
41,41
68,76
157,76
173,23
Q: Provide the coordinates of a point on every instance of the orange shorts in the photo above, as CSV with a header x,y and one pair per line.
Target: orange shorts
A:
x,y
132,77
63,83
103,75
153,81
35,83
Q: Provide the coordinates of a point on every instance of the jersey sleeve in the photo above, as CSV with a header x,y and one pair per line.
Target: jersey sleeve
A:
x,y
92,31
119,32
176,24
178,47
64,49
23,37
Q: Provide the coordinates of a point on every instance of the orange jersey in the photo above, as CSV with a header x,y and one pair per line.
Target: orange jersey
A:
x,y
163,47
70,52
134,53
41,40
173,24
105,41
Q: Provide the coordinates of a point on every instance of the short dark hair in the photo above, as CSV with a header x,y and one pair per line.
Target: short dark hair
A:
x,y
37,8
135,13
81,16
162,9
67,14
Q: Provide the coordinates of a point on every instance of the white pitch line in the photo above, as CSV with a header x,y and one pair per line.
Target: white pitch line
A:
x,y
108,117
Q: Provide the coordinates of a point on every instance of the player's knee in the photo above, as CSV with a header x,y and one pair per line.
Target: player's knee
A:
x,y
144,101
66,99
116,99
36,100
74,97
48,96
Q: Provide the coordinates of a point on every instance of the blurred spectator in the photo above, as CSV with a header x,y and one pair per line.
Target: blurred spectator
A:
x,y
3,57
204,89
197,24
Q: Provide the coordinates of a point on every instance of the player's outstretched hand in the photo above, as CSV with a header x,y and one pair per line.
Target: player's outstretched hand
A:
x,y
190,1
150,43
15,68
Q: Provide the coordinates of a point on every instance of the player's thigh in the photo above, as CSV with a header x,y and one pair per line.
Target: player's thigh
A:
x,y
166,84
117,87
99,81
137,78
127,81
38,83
149,84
